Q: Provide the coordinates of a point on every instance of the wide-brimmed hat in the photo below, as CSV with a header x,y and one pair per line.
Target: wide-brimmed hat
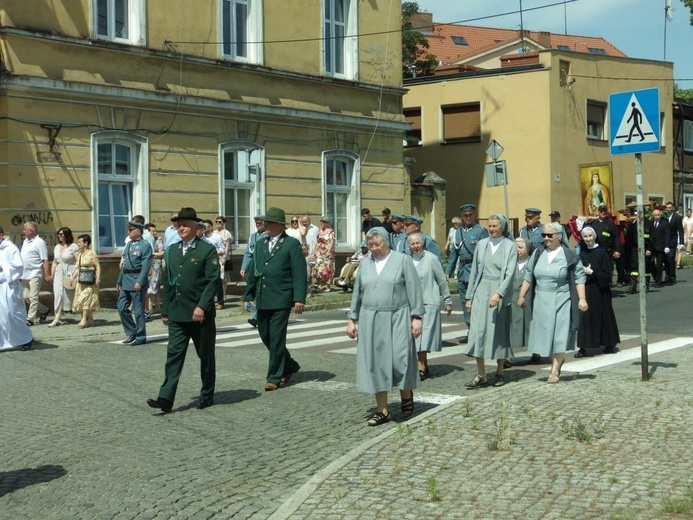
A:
x,y
275,215
187,214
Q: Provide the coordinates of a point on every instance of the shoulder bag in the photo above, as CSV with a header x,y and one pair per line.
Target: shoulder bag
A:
x,y
87,276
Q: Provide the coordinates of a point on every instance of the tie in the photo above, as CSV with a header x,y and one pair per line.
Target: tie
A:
x,y
272,242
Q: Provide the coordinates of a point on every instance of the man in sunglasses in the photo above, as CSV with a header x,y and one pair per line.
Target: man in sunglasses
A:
x,y
467,236
412,224
532,231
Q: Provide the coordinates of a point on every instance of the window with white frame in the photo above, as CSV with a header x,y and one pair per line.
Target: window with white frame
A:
x,y
120,184
688,136
340,42
119,20
241,192
340,195
596,117
241,30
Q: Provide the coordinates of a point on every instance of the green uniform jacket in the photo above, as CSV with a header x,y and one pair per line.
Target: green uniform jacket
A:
x,y
189,281
277,280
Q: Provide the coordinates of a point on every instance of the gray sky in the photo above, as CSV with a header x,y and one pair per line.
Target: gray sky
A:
x,y
636,27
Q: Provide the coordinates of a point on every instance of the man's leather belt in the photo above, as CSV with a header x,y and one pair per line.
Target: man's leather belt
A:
x,y
132,271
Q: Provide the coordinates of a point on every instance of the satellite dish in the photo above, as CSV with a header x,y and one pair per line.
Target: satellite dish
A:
x,y
668,10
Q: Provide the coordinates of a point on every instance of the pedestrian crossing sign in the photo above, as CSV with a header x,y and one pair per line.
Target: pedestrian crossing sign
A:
x,y
634,121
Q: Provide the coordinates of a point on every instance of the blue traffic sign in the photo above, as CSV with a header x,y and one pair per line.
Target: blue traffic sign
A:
x,y
634,121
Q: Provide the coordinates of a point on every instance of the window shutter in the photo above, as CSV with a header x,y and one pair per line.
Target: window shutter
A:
x,y
461,122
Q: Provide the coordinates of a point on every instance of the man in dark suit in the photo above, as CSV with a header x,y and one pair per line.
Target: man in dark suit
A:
x,y
132,284
675,242
659,238
277,283
187,307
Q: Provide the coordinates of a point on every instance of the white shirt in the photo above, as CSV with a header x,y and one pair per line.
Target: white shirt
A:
x,y
312,237
34,253
217,241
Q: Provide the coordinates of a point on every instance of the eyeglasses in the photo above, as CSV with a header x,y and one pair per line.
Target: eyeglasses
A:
x,y
529,217
60,235
220,221
294,221
548,235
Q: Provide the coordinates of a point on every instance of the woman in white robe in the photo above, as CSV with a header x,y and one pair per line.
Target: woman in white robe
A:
x,y
386,314
14,332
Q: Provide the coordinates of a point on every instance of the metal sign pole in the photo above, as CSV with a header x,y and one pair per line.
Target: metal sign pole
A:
x,y
641,268
505,193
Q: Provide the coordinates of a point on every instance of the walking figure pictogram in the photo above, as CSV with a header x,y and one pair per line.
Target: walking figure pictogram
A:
x,y
636,116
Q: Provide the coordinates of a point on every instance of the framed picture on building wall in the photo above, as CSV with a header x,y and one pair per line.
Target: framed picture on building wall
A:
x,y
596,187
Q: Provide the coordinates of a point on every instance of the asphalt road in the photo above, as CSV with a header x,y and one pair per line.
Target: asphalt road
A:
x,y
78,440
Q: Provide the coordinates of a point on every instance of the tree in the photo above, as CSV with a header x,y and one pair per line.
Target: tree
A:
x,y
689,4
416,60
685,94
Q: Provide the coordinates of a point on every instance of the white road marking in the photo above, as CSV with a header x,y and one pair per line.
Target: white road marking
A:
x,y
593,363
330,386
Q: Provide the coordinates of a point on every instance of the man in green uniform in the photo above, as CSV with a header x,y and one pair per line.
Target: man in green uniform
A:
x,y
277,283
187,307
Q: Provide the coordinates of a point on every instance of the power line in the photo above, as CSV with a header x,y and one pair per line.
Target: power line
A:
x,y
376,33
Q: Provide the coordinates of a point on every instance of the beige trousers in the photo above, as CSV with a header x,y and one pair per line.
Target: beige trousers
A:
x,y
32,288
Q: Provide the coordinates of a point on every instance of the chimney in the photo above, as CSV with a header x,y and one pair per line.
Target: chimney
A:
x,y
423,22
544,39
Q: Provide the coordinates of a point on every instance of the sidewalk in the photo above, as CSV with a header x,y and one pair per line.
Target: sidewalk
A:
x,y
601,444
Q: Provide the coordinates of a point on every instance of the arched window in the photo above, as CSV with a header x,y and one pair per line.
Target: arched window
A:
x,y
241,187
120,186
341,196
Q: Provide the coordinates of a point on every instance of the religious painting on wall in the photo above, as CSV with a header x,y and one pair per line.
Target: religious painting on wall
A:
x,y
596,188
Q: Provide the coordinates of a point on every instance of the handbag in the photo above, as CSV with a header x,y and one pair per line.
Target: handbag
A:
x,y
69,283
87,276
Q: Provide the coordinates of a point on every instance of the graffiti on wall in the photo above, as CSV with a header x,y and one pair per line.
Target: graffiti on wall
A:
x,y
41,218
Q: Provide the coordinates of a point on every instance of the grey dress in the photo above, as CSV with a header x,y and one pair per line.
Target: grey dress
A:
x,y
521,318
434,286
554,327
489,331
383,306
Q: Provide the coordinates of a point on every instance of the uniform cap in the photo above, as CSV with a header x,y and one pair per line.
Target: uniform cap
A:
x,y
467,207
533,210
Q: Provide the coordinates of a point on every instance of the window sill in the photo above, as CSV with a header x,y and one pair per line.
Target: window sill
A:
x,y
462,140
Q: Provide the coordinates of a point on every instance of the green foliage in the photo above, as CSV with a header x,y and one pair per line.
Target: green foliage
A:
x,y
683,93
689,4
416,60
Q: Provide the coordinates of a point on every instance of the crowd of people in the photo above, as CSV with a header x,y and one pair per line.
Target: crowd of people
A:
x,y
534,291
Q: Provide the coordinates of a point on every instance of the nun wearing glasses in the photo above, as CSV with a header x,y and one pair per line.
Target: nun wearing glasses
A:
x,y
556,277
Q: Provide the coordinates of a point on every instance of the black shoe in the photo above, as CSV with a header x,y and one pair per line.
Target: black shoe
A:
x,y
499,380
129,340
581,353
29,323
147,316
253,322
422,375
42,317
534,360
162,404
27,346
204,403
463,339
657,285
139,341
610,350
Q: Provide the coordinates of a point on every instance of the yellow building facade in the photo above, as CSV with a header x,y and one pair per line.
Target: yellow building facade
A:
x,y
549,111
113,108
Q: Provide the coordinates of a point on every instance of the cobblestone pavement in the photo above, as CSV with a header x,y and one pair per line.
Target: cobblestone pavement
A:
x,y
78,440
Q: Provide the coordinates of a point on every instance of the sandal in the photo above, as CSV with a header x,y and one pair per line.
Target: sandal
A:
x,y
408,406
378,419
507,363
499,381
477,382
422,375
553,379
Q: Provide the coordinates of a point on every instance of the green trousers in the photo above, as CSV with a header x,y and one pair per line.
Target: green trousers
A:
x,y
203,336
272,325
